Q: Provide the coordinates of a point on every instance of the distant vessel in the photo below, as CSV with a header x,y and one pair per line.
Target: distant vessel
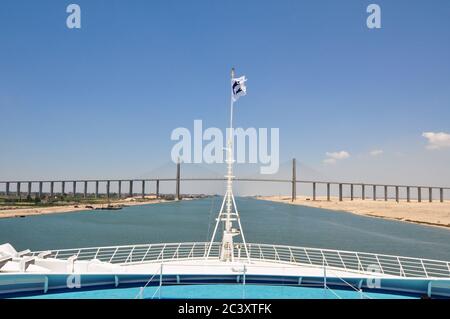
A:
x,y
110,207
227,261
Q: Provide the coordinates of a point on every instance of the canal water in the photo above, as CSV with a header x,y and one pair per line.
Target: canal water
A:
x,y
263,222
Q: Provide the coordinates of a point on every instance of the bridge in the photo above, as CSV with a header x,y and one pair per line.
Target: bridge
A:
x,y
368,191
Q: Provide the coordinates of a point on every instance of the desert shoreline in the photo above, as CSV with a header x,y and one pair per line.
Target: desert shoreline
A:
x,y
433,214
16,212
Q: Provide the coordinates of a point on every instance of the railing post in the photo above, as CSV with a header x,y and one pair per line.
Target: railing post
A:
x,y
363,192
130,193
402,271
441,195
360,266
85,188
143,188
177,195
374,189
396,194
408,194
340,192
157,188
430,194
351,191
419,194
385,193
379,264
328,191
294,180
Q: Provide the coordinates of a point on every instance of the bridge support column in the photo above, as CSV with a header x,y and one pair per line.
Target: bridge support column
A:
x,y
40,189
96,189
408,194
351,192
119,186
430,194
18,189
157,188
374,190
177,191
441,195
52,187
143,189
314,191
396,194
419,194
74,188
130,192
85,188
108,184
7,188
328,191
363,191
294,180
340,192
385,193
63,188
29,189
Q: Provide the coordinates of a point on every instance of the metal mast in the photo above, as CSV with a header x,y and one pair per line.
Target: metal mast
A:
x,y
230,214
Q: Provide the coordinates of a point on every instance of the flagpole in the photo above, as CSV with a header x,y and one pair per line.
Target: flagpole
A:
x,y
230,159
226,251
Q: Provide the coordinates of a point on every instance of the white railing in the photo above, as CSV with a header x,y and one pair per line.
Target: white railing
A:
x,y
345,260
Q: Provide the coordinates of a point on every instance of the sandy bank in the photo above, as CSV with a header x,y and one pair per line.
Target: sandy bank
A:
x,y
434,214
11,211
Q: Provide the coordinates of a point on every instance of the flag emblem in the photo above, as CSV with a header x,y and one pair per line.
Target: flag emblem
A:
x,y
238,87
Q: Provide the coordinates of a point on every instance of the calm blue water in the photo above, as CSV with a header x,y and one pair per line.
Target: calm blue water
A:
x,y
219,292
262,221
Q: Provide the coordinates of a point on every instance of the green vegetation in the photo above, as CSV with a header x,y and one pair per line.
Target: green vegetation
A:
x,y
47,201
31,201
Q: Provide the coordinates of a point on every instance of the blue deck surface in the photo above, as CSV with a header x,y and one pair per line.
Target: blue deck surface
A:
x,y
229,291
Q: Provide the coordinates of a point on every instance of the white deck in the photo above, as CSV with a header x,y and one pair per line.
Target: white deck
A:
x,y
216,267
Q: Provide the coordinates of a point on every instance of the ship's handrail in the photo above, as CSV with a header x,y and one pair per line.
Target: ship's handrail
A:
x,y
339,259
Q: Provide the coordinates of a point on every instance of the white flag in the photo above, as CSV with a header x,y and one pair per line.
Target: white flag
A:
x,y
238,87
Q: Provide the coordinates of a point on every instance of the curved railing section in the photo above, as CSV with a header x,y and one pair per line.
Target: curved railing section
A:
x,y
346,260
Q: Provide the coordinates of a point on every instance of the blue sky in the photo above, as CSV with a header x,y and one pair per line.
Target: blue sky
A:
x,y
102,101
